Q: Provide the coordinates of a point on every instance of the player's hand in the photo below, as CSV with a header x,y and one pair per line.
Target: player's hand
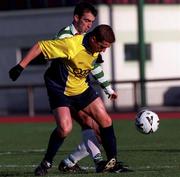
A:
x,y
15,72
113,96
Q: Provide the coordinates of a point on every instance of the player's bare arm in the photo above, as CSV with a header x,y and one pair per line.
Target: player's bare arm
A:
x,y
31,55
15,72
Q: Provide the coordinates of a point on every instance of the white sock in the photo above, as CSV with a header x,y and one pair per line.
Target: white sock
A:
x,y
92,144
77,155
68,162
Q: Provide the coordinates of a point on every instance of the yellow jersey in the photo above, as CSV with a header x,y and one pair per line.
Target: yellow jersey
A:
x,y
77,62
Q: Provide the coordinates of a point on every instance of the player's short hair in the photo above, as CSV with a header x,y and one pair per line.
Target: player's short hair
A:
x,y
83,7
103,33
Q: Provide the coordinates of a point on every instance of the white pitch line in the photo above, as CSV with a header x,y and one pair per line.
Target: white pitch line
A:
x,y
83,167
33,166
23,151
87,167
157,167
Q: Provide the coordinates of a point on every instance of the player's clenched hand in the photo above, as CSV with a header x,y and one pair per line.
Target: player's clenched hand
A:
x,y
15,72
113,96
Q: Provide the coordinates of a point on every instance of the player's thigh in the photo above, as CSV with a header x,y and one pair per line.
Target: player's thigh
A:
x,y
63,120
98,112
90,102
82,118
87,120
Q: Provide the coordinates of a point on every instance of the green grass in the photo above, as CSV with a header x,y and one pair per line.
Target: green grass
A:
x,y
22,147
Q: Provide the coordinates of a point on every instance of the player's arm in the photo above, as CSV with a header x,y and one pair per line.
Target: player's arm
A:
x,y
51,49
31,55
15,72
98,74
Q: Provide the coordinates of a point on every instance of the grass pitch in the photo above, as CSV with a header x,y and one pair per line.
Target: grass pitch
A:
x,y
23,145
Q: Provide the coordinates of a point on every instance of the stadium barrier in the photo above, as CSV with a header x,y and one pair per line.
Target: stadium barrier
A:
x,y
135,85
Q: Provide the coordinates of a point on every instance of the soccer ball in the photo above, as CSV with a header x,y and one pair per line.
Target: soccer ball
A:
x,y
147,121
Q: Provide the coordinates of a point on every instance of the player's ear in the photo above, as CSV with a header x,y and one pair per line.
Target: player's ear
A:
x,y
94,39
76,18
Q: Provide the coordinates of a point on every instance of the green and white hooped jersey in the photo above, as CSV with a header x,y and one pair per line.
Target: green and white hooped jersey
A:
x,y
97,71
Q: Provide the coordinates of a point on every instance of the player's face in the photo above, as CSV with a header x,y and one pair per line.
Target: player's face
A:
x,y
97,46
84,23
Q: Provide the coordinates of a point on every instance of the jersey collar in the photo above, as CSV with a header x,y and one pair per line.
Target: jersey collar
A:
x,y
73,29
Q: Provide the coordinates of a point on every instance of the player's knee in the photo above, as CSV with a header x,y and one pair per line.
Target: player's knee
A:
x,y
84,120
64,131
87,121
103,118
107,122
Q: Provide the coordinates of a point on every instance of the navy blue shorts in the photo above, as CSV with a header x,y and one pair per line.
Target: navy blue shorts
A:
x,y
77,102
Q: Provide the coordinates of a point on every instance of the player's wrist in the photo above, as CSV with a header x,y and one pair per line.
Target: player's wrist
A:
x,y
108,90
19,68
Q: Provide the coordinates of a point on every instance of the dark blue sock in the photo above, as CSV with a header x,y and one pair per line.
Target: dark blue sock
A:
x,y
55,142
109,142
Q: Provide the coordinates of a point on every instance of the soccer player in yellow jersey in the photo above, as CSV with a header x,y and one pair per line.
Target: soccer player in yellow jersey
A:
x,y
83,18
67,88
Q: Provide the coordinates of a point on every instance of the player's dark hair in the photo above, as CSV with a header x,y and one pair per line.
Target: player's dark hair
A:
x,y
103,33
83,7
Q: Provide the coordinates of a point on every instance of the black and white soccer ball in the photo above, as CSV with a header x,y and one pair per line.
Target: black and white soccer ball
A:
x,y
147,121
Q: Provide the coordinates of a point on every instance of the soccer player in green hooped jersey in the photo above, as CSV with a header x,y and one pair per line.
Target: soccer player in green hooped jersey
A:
x,y
84,16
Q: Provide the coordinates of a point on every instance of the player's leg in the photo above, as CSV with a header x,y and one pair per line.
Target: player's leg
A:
x,y
85,102
87,122
70,163
64,125
89,146
97,109
90,133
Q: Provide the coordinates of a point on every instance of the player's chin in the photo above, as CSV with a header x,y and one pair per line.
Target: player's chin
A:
x,y
86,30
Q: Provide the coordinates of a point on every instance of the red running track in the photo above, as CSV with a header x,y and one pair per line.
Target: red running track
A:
x,y
49,118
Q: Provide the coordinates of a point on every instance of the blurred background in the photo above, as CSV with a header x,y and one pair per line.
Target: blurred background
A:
x,y
143,65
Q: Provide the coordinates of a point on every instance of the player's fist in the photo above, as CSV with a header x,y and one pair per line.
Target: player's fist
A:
x,y
113,96
15,72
